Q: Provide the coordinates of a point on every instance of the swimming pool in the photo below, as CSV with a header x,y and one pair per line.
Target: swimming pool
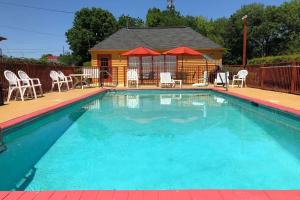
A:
x,y
154,139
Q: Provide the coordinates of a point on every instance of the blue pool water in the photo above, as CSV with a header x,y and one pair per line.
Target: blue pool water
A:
x,y
155,140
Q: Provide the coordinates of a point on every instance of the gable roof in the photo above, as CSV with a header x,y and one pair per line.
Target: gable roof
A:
x,y
156,38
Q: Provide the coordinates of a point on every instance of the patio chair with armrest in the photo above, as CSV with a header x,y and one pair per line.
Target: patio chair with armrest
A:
x,y
56,80
67,79
16,84
33,82
132,75
166,79
240,77
221,80
202,81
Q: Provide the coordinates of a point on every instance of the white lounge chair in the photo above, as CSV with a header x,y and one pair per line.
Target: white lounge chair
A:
x,y
204,80
33,82
240,77
56,80
221,80
16,84
132,75
133,101
67,79
166,79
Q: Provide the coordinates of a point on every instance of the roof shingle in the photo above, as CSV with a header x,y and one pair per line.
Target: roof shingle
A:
x,y
155,38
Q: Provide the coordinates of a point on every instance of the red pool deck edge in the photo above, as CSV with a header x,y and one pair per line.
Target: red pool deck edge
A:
x,y
259,101
21,119
155,195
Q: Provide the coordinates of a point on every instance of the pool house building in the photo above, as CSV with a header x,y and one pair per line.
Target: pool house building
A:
x,y
109,56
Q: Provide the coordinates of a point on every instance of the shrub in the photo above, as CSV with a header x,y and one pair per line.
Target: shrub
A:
x,y
275,59
87,64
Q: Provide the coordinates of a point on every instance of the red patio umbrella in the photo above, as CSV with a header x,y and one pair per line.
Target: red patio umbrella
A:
x,y
141,51
183,50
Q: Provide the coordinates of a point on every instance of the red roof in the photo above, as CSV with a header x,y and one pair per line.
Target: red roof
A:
x,y
141,51
183,50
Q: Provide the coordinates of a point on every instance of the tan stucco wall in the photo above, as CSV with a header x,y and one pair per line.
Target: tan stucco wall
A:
x,y
189,61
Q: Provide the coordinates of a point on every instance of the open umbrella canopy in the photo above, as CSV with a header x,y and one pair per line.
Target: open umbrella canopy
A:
x,y
141,51
183,50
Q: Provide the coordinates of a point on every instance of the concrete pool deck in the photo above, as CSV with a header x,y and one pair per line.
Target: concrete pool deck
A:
x,y
19,109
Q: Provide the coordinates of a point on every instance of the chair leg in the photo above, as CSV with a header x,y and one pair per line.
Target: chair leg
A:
x,y
10,90
67,85
22,93
34,92
52,86
41,90
58,86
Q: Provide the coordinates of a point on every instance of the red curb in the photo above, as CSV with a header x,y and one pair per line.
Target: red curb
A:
x,y
18,120
258,101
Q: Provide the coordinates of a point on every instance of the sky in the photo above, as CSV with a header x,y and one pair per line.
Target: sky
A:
x,y
33,32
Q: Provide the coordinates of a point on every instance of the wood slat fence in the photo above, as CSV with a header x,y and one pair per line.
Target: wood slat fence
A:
x,y
40,71
281,77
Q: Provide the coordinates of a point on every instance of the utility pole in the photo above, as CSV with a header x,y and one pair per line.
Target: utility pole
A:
x,y
245,41
170,5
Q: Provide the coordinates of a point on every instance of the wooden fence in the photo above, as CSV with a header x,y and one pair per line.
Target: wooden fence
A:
x,y
40,71
282,77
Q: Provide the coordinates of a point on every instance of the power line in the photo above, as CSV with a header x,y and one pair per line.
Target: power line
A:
x,y
37,8
30,31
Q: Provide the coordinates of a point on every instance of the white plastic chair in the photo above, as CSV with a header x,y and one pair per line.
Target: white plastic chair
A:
x,y
132,75
165,99
16,84
240,77
166,79
33,82
67,79
204,81
221,79
133,101
56,80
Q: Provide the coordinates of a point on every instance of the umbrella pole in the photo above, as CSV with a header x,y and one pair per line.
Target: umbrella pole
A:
x,y
141,70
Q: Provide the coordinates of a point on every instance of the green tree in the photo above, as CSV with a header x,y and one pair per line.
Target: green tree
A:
x,y
127,21
69,59
44,57
166,18
90,26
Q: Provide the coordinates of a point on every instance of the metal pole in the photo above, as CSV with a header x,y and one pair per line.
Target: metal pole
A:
x,y
245,41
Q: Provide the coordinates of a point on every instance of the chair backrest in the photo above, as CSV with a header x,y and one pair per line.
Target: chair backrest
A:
x,y
11,78
54,75
165,77
242,74
25,78
61,75
221,77
132,74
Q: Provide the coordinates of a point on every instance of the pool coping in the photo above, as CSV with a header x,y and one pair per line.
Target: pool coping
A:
x,y
19,120
154,195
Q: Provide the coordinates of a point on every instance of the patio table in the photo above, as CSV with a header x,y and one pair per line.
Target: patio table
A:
x,y
80,79
178,81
